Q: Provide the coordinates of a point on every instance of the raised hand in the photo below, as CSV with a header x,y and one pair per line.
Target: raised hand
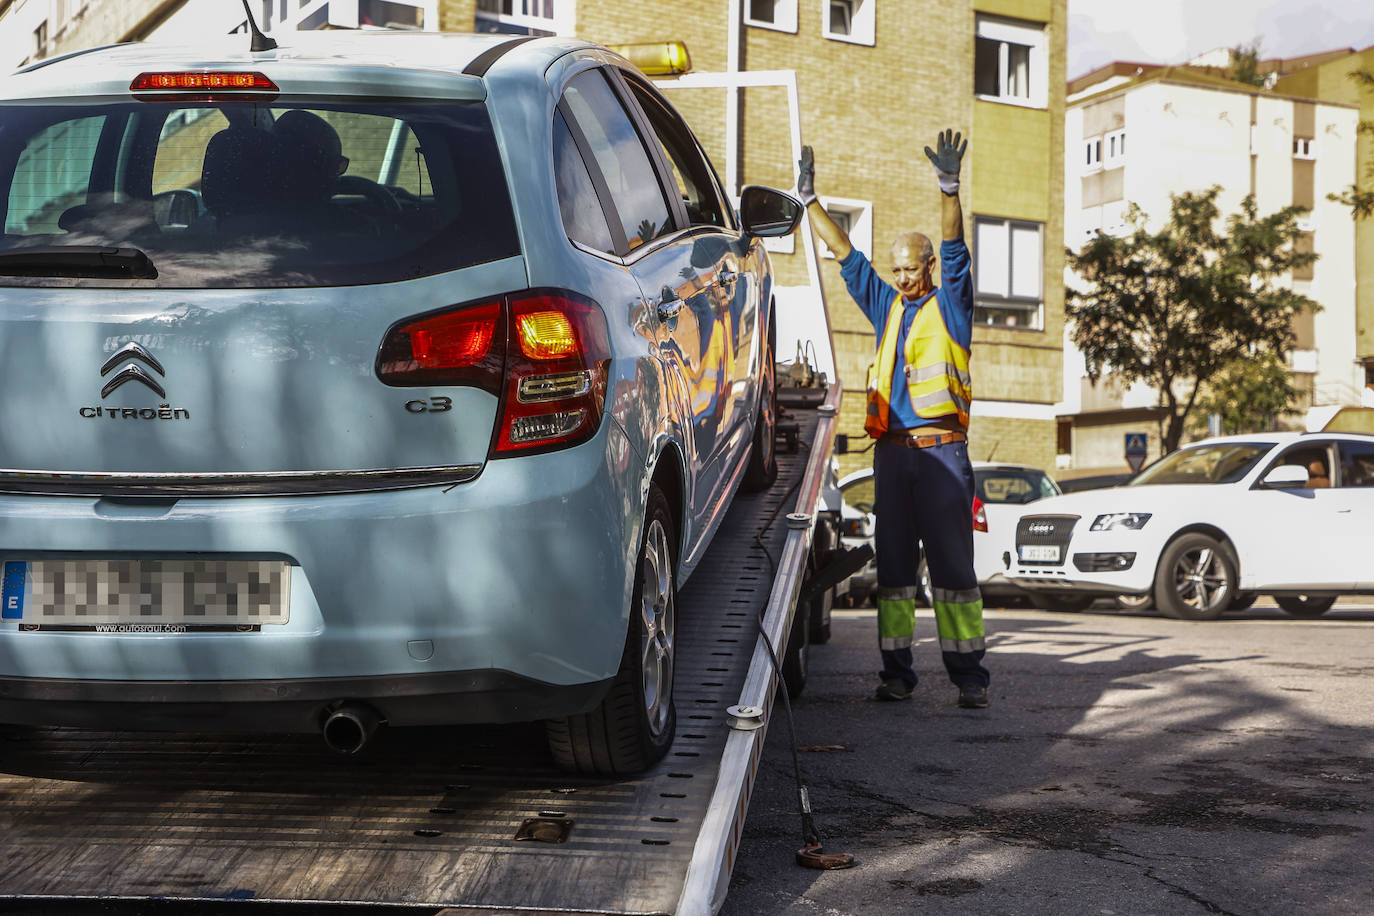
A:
x,y
947,157
806,176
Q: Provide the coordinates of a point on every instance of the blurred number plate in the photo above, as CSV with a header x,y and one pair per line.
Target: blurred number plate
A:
x,y
1039,553
146,596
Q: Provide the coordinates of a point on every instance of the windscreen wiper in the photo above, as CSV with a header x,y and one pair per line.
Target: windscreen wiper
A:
x,y
77,261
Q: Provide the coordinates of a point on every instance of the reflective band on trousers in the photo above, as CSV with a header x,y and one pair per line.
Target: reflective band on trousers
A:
x,y
962,645
896,619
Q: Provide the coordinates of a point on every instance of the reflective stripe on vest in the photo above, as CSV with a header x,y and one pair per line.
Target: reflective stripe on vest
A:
x,y
937,375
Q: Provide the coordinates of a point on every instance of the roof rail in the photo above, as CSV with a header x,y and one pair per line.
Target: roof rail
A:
x,y
61,57
482,62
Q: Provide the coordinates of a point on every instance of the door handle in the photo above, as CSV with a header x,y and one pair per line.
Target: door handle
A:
x,y
669,304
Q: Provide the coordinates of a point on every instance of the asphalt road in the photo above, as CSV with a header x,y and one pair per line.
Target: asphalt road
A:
x,y
1128,763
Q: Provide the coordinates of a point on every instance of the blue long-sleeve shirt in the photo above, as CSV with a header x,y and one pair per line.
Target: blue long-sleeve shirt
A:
x,y
954,298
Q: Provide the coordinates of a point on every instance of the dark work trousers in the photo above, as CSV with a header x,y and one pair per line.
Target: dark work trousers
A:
x,y
925,495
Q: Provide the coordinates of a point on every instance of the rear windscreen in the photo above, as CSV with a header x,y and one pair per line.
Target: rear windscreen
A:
x,y
248,194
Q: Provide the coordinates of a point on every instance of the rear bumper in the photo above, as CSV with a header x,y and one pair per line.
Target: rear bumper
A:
x,y
524,572
289,705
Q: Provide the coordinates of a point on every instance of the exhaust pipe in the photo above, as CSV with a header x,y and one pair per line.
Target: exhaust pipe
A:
x,y
349,727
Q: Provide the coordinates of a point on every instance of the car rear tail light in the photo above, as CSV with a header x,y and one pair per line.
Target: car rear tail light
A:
x,y
980,515
556,366
544,353
465,346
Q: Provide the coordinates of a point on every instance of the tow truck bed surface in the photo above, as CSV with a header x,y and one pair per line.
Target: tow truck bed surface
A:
x,y
432,816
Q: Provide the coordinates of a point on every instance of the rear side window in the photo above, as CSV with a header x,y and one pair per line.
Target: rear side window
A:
x,y
621,158
244,194
583,218
1357,464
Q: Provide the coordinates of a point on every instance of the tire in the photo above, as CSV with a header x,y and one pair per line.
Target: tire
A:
x,y
1135,602
1196,578
1242,601
633,726
1307,606
796,657
763,454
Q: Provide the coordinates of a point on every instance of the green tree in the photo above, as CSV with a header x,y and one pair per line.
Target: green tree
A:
x,y
1172,307
1247,394
1361,199
1245,60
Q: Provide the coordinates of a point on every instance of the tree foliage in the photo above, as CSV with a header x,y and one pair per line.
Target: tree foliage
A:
x,y
1361,199
1245,60
1247,394
1172,307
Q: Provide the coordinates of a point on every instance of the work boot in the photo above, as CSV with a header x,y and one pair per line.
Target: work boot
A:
x,y
893,688
973,696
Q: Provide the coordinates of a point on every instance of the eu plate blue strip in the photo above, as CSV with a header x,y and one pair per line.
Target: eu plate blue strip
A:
x,y
14,590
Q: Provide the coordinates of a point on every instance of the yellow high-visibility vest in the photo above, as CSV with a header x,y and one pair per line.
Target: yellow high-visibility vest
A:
x,y
937,376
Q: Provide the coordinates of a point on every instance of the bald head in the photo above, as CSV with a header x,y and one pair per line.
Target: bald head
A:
x,y
918,244
913,260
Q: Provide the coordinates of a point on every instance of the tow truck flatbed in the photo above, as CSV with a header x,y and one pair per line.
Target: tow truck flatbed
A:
x,y
432,817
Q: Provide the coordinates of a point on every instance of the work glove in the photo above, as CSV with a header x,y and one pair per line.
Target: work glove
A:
x,y
806,177
947,158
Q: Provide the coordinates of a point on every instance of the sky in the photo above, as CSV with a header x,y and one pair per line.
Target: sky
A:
x,y
1172,31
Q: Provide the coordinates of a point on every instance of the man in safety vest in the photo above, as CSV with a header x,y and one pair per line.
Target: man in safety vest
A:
x,y
919,392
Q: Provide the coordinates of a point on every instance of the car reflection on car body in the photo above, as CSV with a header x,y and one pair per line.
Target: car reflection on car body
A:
x,y
1210,526
387,377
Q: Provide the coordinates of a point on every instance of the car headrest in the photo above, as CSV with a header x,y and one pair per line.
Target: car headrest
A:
x,y
239,171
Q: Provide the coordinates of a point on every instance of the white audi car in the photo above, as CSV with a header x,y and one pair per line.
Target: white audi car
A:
x,y
1214,524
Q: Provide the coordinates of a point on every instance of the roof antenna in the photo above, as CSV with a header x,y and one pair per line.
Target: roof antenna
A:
x,y
260,41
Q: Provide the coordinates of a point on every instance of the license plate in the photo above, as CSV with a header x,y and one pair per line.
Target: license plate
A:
x,y
146,596
1039,553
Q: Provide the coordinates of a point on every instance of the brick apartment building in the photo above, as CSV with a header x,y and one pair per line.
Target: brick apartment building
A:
x,y
877,80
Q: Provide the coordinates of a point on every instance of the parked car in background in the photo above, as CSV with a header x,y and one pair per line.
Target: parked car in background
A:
x,y
1212,525
1000,492
385,377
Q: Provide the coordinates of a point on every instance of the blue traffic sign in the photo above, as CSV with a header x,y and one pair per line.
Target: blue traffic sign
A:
x,y
1136,444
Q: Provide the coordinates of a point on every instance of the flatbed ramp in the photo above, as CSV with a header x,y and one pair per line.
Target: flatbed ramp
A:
x,y
431,818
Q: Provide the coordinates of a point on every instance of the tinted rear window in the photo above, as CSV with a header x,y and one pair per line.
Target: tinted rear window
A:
x,y
248,194
1012,485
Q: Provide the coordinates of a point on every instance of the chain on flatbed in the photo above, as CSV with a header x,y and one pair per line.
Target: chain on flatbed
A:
x,y
430,819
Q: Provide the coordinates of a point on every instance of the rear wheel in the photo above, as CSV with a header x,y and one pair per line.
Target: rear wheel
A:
x,y
763,455
633,727
1135,602
925,594
796,657
1068,602
1305,605
1196,578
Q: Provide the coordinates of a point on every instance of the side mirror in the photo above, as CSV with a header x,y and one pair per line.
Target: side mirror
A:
x,y
767,213
1285,475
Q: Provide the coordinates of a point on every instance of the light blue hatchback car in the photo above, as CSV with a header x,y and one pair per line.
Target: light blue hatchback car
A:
x,y
381,378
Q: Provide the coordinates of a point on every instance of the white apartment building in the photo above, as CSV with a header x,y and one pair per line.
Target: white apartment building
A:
x,y
1141,138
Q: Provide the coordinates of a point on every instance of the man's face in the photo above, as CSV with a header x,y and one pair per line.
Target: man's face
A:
x,y
910,271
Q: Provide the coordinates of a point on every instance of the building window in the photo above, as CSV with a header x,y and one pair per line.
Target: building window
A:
x,y
1010,62
521,17
855,217
1115,143
849,20
40,39
1092,158
772,14
1304,148
311,15
1009,272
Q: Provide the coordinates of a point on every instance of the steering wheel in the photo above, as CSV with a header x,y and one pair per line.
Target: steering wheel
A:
x,y
379,197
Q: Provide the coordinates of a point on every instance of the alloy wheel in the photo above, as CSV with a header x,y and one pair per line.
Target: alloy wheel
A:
x,y
657,631
1200,579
